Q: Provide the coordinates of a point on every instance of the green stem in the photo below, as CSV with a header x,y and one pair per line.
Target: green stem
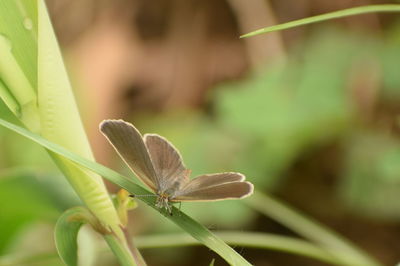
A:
x,y
120,250
243,239
337,14
311,229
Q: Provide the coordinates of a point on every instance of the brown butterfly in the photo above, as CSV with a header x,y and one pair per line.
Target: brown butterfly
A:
x,y
158,164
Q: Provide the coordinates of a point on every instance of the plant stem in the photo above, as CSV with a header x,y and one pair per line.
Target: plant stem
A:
x,y
120,250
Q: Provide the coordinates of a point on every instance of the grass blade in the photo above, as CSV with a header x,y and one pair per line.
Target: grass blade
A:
x,y
192,227
310,229
333,15
242,239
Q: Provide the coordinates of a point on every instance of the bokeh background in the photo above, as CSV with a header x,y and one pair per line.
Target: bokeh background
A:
x,y
310,115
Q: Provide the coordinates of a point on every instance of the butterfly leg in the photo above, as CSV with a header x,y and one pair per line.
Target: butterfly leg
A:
x,y
168,207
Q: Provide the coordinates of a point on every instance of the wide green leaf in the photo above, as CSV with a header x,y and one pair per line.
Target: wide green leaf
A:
x,y
192,227
61,123
35,86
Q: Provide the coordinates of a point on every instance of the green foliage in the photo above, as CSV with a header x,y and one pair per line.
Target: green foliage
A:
x,y
189,225
260,126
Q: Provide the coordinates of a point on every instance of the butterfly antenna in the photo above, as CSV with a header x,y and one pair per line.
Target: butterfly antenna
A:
x,y
138,196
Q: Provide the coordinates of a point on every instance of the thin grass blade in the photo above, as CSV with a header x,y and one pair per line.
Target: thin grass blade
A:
x,y
328,16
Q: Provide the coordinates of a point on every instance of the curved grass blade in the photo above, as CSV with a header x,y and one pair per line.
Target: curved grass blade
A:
x,y
66,234
192,227
337,14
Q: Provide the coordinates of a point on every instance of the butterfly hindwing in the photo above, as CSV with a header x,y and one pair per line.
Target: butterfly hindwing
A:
x,y
167,163
215,187
234,190
129,144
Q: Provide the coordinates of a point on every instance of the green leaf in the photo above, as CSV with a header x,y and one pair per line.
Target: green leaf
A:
x,y
337,14
198,231
66,233
61,123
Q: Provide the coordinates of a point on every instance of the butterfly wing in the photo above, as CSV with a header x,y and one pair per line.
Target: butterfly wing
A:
x,y
214,187
129,144
167,163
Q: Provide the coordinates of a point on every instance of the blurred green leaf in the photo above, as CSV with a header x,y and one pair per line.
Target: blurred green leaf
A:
x,y
23,201
371,181
289,108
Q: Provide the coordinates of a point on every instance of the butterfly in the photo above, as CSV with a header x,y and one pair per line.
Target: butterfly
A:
x,y
158,164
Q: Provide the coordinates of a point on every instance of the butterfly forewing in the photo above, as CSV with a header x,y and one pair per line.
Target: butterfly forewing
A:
x,y
167,163
233,190
129,144
210,180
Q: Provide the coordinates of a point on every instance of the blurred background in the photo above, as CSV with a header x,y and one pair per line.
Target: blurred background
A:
x,y
309,115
